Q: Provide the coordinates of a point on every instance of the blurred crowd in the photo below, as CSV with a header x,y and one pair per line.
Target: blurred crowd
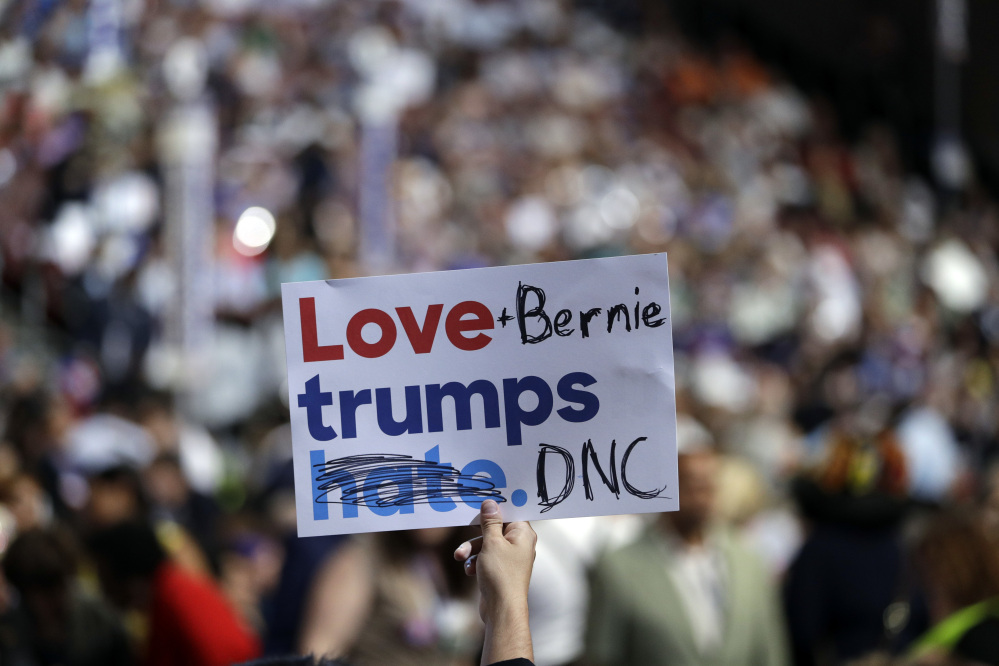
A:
x,y
835,318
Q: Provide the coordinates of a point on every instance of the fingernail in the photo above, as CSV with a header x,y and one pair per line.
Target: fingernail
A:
x,y
469,561
490,508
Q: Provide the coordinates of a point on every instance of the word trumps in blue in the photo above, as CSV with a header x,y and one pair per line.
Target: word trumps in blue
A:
x,y
581,406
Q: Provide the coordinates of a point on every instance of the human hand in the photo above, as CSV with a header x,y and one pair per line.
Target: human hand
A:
x,y
502,560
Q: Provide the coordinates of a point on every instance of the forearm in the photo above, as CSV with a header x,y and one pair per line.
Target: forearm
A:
x,y
508,634
502,560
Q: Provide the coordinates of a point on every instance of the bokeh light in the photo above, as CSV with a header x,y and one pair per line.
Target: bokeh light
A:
x,y
254,231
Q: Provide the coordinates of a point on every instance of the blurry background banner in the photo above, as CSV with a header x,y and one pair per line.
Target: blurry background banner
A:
x,y
104,27
392,79
188,142
379,151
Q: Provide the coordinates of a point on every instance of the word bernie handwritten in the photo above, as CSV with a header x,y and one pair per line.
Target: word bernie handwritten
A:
x,y
543,327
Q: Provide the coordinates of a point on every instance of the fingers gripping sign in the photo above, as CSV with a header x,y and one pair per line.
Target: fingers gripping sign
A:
x,y
502,560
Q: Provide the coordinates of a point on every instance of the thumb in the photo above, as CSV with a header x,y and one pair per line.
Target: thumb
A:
x,y
490,519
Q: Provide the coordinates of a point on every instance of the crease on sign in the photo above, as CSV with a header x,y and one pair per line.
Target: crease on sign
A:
x,y
669,377
665,370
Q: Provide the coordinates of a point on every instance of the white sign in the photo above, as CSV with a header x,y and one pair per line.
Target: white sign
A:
x,y
548,387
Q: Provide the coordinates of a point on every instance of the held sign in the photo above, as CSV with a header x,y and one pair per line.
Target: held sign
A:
x,y
547,387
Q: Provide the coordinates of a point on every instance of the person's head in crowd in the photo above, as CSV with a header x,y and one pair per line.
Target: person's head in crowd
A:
x,y
862,465
127,556
742,493
27,501
165,483
116,495
856,474
697,476
41,564
857,483
957,562
121,399
36,423
123,494
155,412
840,382
189,620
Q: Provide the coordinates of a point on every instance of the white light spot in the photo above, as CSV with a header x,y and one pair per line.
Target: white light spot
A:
x,y
72,238
254,231
957,276
620,208
531,223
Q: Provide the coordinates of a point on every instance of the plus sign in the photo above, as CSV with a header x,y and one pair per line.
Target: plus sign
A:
x,y
504,318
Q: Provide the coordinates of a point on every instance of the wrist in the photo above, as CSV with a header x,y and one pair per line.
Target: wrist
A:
x,y
508,632
507,608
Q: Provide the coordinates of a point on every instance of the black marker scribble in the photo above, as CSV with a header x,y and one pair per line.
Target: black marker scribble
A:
x,y
611,483
644,494
414,481
570,477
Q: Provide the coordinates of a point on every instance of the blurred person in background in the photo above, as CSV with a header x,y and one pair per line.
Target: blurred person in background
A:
x,y
194,448
54,622
853,497
957,562
393,598
290,604
36,429
109,436
686,592
559,593
249,572
501,559
187,618
27,501
118,495
303,560
174,503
